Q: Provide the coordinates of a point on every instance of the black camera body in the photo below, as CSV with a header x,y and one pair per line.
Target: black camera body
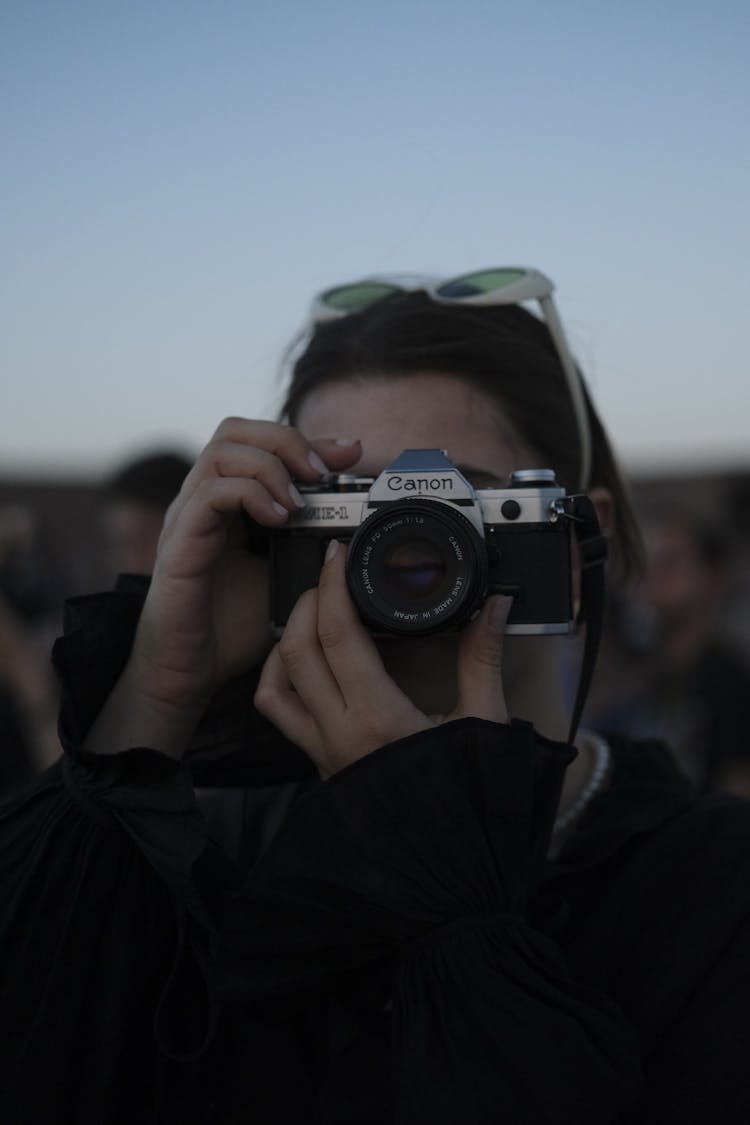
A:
x,y
425,548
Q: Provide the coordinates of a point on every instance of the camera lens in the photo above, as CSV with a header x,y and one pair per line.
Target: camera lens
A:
x,y
416,567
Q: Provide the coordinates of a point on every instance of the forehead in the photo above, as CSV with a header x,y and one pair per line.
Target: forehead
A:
x,y
415,411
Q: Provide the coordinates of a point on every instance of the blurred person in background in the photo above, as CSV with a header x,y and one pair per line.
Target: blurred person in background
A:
x,y
668,668
28,688
135,500
737,625
32,580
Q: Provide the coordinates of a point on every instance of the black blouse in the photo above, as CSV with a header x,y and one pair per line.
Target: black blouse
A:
x,y
400,950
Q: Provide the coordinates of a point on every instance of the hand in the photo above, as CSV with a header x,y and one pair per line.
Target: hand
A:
x,y
205,618
324,685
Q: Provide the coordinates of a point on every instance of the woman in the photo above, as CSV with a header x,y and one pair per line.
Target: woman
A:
x,y
468,919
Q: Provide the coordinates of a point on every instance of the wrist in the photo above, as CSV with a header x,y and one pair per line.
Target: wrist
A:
x,y
138,714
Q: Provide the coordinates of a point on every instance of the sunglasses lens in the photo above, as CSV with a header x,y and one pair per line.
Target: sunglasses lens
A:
x,y
354,298
474,284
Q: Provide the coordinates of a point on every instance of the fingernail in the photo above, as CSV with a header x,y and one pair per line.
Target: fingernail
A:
x,y
346,441
331,550
317,463
498,615
279,509
296,497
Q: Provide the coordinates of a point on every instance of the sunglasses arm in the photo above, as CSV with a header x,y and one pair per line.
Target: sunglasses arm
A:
x,y
575,386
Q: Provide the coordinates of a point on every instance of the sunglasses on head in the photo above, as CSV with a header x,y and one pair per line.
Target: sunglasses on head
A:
x,y
508,285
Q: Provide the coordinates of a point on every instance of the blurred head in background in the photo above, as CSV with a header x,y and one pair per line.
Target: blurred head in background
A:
x,y
136,498
687,576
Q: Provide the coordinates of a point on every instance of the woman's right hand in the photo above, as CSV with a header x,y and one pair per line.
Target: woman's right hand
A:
x,y
205,618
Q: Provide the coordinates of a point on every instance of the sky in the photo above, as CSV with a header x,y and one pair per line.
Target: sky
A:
x,y
180,178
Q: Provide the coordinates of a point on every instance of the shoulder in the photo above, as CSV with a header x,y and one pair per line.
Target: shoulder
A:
x,y
687,859
656,798
658,884
650,825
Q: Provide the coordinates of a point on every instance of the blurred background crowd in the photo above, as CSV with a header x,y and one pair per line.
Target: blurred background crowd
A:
x,y
675,659
58,541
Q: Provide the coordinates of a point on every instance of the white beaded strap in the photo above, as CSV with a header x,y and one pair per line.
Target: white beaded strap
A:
x,y
602,759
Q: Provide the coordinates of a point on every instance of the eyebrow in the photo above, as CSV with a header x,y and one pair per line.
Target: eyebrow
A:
x,y
479,477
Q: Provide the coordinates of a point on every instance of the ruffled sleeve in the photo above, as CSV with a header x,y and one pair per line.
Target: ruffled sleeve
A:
x,y
427,856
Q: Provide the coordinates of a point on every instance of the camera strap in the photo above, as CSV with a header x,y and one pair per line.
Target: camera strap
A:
x,y
592,548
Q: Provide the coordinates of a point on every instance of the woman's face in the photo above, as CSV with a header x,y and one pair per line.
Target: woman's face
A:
x,y
425,411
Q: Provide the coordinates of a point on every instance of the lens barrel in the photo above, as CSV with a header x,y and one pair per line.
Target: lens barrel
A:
x,y
416,567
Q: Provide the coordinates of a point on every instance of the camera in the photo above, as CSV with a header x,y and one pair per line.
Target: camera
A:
x,y
425,548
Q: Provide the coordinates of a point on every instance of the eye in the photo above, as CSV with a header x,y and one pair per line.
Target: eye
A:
x,y
482,478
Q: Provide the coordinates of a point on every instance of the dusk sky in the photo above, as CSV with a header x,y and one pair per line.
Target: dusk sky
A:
x,y
180,178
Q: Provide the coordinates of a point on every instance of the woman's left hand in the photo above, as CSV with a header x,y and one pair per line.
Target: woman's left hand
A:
x,y
325,688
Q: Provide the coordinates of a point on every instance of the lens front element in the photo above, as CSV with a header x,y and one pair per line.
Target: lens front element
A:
x,y
413,568
416,567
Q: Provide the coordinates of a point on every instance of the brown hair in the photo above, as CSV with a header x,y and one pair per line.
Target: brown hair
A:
x,y
505,351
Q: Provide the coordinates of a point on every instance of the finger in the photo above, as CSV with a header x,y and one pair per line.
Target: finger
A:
x,y
349,649
480,656
306,664
275,453
267,451
336,454
279,702
249,462
306,460
198,530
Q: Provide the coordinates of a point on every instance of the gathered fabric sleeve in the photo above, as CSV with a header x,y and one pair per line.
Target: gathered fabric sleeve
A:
x,y
427,857
105,942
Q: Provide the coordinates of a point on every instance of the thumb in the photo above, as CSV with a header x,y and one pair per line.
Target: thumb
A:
x,y
480,682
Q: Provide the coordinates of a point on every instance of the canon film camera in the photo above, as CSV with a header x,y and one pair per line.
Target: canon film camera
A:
x,y
425,548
